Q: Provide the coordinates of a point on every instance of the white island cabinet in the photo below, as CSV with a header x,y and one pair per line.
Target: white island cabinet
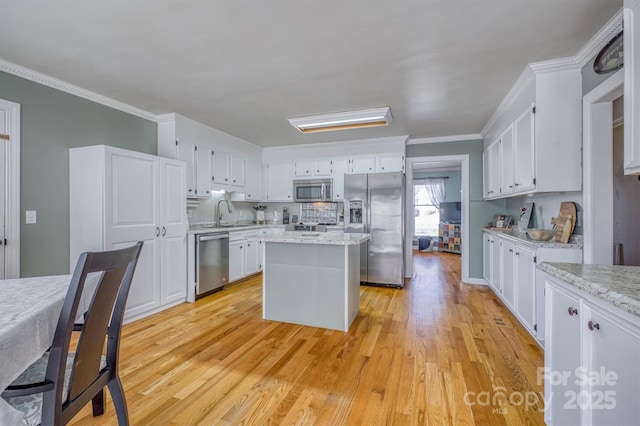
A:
x,y
118,197
592,349
311,278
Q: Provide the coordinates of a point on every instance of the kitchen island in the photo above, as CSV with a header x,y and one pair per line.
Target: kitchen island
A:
x,y
311,278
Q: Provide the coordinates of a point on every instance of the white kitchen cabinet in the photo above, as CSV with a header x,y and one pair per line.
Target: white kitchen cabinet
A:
x,y
631,39
186,152
597,347
221,166
340,168
390,163
526,291
562,353
494,169
203,171
523,151
237,171
507,255
118,197
363,165
314,168
280,181
510,270
252,257
486,256
496,262
507,177
546,116
253,177
236,256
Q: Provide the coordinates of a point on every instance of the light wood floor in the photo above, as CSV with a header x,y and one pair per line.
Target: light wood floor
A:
x,y
410,357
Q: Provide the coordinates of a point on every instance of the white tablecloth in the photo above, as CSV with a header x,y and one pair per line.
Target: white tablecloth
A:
x,y
29,311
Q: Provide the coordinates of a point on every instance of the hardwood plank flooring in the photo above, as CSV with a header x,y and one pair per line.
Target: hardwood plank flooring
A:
x,y
435,352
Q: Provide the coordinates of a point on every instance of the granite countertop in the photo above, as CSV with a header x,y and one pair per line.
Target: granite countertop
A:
x,y
618,285
575,242
208,227
304,237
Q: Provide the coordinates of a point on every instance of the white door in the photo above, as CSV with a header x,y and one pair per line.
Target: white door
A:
x,y
613,346
363,165
280,182
173,249
251,257
526,292
3,191
495,265
187,153
220,167
132,215
508,279
486,254
524,146
506,161
253,187
237,170
304,168
236,260
562,354
323,168
340,168
203,175
390,163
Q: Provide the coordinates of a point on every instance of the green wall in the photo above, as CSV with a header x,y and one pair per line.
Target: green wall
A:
x,y
52,122
480,211
590,79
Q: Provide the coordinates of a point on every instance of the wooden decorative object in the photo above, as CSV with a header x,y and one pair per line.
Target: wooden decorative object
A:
x,y
565,223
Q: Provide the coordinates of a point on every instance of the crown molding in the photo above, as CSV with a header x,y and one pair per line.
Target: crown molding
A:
x,y
584,55
63,86
525,78
454,138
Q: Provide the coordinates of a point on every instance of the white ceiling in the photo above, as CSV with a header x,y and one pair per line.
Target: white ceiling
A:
x,y
244,67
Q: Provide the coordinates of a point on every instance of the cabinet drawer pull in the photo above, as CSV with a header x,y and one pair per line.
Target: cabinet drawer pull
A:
x,y
593,325
572,311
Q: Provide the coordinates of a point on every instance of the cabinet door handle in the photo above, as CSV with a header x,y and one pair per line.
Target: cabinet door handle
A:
x,y
164,231
157,231
572,311
593,325
510,251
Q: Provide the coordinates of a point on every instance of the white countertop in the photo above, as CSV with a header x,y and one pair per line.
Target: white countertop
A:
x,y
575,242
206,228
304,237
618,285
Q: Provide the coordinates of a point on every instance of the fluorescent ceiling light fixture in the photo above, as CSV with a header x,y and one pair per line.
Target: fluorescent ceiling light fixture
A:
x,y
343,120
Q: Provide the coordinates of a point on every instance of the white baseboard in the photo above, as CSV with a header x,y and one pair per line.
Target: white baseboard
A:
x,y
476,281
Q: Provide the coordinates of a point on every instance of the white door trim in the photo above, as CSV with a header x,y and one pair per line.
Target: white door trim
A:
x,y
410,161
12,203
597,167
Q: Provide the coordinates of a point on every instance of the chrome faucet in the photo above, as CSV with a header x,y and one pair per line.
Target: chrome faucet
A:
x,y
219,215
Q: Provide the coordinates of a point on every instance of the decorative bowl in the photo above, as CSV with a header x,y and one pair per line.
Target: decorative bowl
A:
x,y
541,234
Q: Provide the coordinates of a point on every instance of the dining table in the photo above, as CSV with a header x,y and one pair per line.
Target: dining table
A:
x,y
29,312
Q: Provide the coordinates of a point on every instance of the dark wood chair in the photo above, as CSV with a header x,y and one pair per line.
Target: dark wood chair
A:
x,y
57,386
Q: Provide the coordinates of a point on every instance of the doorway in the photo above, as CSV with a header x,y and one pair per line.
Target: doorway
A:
x,y
9,189
597,160
416,166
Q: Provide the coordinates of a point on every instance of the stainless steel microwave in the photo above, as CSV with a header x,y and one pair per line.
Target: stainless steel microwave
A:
x,y
310,190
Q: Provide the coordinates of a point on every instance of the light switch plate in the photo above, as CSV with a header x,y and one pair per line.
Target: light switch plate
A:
x,y
30,217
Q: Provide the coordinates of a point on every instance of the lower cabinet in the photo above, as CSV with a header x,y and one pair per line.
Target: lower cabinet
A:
x,y
592,359
510,270
245,257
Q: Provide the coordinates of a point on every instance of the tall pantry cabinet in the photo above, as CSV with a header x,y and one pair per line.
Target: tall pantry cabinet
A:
x,y
118,197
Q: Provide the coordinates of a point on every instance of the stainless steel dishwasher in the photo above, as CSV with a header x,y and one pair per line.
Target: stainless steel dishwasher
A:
x,y
212,262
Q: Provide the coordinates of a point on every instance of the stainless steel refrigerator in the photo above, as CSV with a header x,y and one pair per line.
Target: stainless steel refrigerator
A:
x,y
374,204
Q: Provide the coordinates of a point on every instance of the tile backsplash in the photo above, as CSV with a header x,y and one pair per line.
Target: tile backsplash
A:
x,y
244,212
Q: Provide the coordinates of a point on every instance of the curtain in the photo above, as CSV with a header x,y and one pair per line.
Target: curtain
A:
x,y
435,190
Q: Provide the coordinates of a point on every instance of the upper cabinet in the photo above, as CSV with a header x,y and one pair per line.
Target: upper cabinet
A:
x,y
316,168
214,160
280,181
378,163
537,139
631,42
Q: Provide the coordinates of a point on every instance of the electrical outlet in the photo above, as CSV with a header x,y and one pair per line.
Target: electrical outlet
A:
x,y
30,217
240,213
579,219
